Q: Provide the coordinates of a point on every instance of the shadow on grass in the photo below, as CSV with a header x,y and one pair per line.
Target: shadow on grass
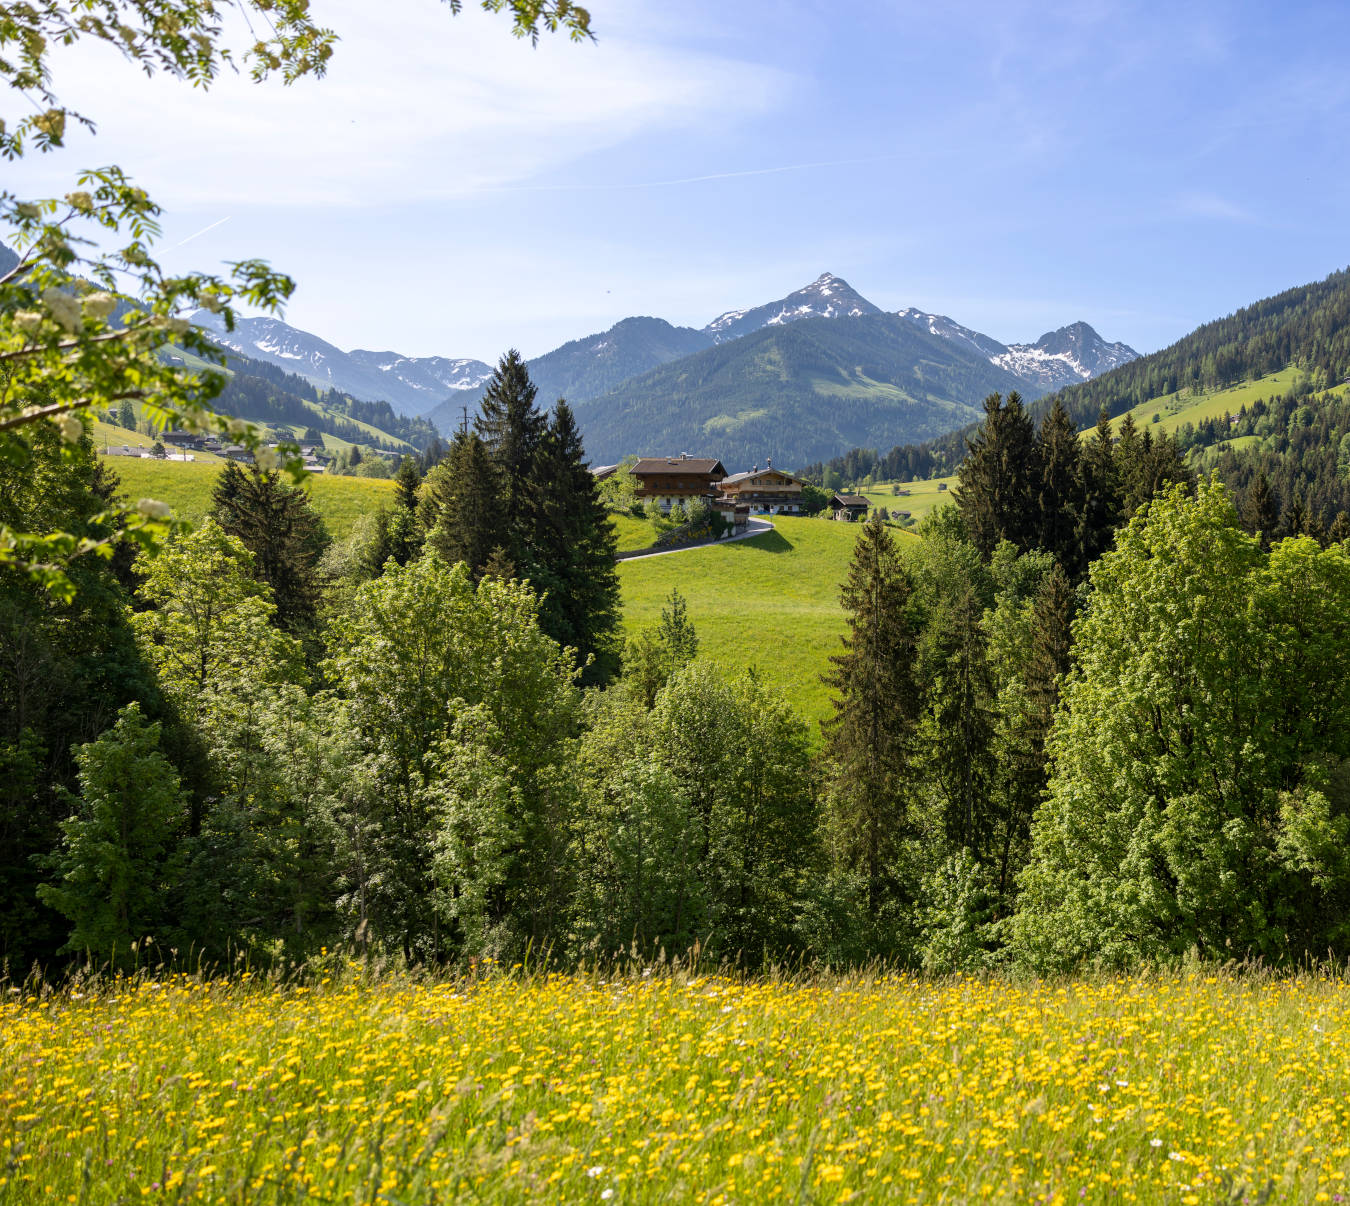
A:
x,y
769,542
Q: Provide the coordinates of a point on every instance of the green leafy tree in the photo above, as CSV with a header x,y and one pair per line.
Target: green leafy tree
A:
x,y
419,646
651,657
636,842
114,862
81,326
1194,760
741,759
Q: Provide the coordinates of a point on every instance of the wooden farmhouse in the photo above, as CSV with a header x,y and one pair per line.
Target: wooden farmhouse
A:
x,y
849,507
665,481
766,490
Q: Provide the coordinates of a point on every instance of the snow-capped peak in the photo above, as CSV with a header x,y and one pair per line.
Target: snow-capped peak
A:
x,y
1058,358
828,296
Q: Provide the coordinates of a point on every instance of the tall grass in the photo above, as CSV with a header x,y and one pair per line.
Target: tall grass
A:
x,y
655,1085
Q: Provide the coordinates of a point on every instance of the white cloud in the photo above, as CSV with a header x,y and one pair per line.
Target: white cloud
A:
x,y
417,106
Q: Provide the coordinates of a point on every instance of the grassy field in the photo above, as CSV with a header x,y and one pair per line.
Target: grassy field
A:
x,y
771,602
921,499
186,487
1186,1088
1176,410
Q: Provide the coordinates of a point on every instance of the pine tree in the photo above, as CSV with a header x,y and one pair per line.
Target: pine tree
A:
x,y
997,494
573,551
1261,510
461,505
959,721
1101,513
1047,662
1340,528
1061,496
405,528
512,429
869,739
286,536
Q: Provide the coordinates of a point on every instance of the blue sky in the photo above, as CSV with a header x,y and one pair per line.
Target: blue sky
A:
x,y
1017,166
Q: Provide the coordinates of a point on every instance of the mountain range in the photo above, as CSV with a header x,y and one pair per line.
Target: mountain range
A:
x,y
800,378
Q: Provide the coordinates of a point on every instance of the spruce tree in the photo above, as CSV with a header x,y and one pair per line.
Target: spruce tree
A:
x,y
461,505
1340,528
1047,661
869,739
405,528
1060,497
998,491
1102,504
286,536
573,553
1261,510
512,430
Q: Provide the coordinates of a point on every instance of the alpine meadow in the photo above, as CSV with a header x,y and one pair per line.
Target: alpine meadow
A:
x,y
803,750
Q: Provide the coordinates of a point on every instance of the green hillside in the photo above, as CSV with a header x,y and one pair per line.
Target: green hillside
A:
x,y
586,368
186,487
771,602
796,392
1219,365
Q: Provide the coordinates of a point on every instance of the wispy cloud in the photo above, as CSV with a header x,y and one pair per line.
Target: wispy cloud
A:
x,y
1211,205
446,109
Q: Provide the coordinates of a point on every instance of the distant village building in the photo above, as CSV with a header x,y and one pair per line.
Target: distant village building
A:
x,y
765,490
849,507
664,481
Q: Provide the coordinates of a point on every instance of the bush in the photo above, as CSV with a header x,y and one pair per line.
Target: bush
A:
x,y
637,510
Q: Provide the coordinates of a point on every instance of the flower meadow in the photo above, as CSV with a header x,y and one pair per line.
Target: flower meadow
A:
x,y
676,1087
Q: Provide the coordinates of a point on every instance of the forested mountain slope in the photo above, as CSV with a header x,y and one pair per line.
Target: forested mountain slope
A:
x,y
796,392
1307,327
586,368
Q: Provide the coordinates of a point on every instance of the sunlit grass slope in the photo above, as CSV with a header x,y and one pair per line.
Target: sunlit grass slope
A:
x,y
186,487
771,602
1174,411
922,498
1186,1089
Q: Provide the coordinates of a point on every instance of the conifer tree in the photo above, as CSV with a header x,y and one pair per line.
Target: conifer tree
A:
x,y
1101,513
869,739
573,552
405,528
1261,510
462,505
959,721
1340,528
1060,497
286,536
997,494
512,430
1047,661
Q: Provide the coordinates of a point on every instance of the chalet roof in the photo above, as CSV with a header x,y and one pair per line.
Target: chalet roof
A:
x,y
750,474
850,500
655,466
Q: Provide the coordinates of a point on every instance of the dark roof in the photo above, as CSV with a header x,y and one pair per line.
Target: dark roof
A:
x,y
655,465
849,500
749,473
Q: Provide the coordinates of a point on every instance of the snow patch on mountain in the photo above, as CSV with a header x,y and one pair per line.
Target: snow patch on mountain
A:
x,y
1057,359
828,296
411,384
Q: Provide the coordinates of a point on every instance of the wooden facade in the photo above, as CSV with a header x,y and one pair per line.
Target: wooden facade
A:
x,y
665,481
766,490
